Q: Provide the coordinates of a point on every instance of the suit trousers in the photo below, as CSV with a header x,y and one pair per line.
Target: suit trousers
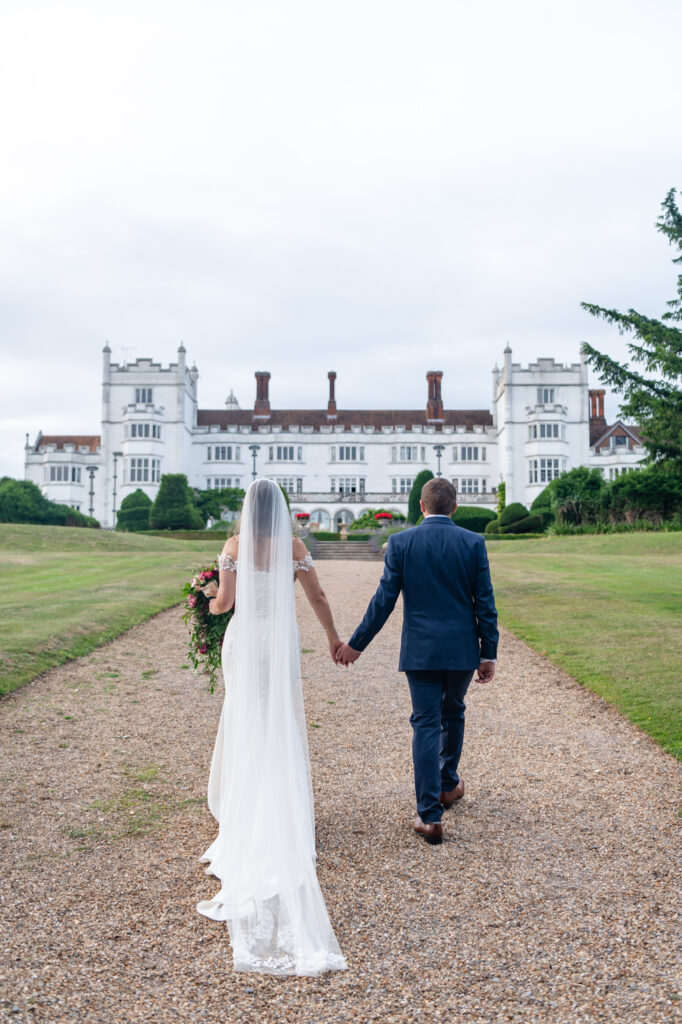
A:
x,y
437,721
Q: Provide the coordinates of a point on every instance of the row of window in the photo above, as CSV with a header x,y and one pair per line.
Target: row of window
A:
x,y
224,453
143,395
286,453
541,471
542,430
143,471
217,483
143,430
545,396
64,474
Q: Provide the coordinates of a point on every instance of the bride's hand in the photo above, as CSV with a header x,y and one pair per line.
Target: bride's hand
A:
x,y
334,644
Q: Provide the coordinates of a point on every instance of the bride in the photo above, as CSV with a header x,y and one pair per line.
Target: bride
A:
x,y
259,787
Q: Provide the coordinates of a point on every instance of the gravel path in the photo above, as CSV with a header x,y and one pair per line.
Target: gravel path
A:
x,y
551,900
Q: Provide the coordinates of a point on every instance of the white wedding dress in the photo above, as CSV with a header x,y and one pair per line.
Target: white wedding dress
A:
x,y
259,788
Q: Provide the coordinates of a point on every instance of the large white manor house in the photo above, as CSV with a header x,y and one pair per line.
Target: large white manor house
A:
x,y
334,462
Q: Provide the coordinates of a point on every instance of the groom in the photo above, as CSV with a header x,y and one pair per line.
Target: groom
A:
x,y
449,631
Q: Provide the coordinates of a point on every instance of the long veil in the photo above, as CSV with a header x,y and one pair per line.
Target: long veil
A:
x,y
260,789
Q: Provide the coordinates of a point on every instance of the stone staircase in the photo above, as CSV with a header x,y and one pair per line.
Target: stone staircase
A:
x,y
357,551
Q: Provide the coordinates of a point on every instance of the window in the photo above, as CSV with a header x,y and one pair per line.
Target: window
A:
x,y
292,485
348,484
286,453
225,453
62,474
156,471
412,453
143,395
351,453
75,474
549,430
217,483
542,471
619,441
139,471
403,484
469,453
545,396
469,485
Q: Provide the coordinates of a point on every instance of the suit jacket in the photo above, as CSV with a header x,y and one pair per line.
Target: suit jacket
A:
x,y
449,615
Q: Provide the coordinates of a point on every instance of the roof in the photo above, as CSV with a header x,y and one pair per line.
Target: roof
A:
x,y
601,430
93,441
346,418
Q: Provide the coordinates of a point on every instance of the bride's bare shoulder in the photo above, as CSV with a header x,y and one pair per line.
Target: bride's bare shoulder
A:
x,y
299,550
231,546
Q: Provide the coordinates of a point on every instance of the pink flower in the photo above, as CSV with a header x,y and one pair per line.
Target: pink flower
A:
x,y
203,649
192,602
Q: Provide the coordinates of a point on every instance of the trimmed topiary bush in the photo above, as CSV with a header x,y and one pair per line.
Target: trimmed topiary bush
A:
x,y
134,511
512,514
473,518
493,526
174,507
413,509
530,524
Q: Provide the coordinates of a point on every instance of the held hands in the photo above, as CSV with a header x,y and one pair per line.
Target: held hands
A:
x,y
346,655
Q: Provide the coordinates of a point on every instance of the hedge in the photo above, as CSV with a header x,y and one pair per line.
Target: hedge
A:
x,y
512,514
530,524
473,518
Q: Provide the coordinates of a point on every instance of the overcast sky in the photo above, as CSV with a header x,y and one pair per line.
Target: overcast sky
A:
x,y
378,187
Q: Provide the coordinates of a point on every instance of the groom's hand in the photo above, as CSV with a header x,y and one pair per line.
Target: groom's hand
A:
x,y
346,655
486,671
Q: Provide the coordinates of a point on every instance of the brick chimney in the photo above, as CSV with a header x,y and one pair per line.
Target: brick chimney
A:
x,y
331,404
597,406
261,409
434,405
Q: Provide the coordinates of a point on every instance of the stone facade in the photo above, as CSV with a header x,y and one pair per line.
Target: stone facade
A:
x,y
335,463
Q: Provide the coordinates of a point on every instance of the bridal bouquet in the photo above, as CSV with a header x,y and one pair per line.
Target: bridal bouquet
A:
x,y
206,631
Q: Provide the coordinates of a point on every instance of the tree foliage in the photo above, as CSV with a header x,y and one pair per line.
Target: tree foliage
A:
x,y
652,397
174,507
23,502
214,502
413,509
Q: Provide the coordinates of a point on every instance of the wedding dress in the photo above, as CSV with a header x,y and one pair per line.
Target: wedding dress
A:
x,y
260,789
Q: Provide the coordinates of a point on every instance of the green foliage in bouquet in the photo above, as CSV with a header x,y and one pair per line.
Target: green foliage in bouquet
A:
x,y
206,631
174,507
134,511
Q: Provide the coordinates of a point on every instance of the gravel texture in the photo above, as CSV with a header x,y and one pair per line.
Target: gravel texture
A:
x,y
553,897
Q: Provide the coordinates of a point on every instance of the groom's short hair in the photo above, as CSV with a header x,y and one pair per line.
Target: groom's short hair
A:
x,y
439,496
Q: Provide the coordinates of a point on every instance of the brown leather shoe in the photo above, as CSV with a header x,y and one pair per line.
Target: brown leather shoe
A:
x,y
448,799
431,830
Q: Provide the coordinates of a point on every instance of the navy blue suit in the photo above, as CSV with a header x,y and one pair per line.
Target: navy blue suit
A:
x,y
449,625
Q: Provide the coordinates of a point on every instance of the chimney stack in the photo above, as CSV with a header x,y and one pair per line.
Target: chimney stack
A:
x,y
331,404
261,409
434,405
597,405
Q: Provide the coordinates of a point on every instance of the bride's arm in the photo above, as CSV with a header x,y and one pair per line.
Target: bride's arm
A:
x,y
317,598
224,598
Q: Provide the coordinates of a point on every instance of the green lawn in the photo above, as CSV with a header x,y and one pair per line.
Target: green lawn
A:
x,y
64,591
608,609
